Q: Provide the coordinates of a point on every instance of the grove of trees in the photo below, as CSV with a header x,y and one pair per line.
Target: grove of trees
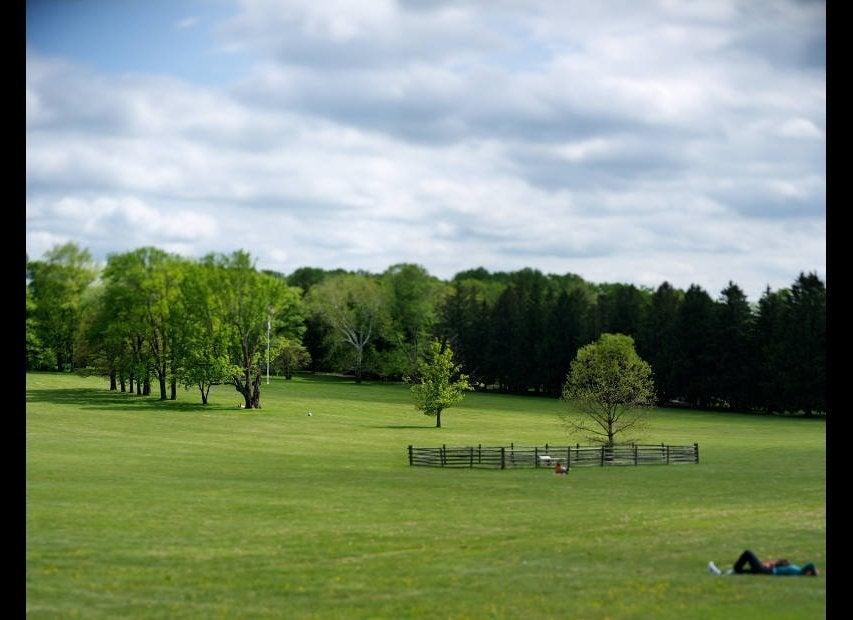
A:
x,y
149,318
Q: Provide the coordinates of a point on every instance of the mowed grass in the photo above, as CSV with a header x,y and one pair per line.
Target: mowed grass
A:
x,y
139,508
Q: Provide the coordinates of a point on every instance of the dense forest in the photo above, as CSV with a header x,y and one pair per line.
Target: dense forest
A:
x,y
149,318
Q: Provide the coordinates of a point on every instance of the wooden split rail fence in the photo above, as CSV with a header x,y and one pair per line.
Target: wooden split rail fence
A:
x,y
515,457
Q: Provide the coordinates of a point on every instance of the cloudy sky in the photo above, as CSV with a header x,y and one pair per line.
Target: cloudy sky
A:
x,y
633,141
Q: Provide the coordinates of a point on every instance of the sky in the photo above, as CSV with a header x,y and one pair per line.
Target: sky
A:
x,y
630,141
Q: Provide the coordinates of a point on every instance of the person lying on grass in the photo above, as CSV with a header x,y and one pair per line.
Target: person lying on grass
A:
x,y
748,563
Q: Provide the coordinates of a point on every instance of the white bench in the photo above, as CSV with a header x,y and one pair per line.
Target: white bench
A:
x,y
547,460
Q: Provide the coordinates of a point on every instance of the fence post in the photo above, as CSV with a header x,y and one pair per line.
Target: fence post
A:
x,y
602,456
471,457
503,456
667,455
635,455
443,454
696,453
535,456
410,455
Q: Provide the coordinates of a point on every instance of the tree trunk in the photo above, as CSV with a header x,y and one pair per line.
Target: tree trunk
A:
x,y
359,356
256,392
438,419
113,384
244,388
161,379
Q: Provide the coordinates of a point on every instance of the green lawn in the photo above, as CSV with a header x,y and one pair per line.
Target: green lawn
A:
x,y
140,508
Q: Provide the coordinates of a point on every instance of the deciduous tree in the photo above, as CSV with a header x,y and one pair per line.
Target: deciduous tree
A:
x,y
356,307
289,355
202,348
150,282
611,387
413,298
56,286
246,299
438,383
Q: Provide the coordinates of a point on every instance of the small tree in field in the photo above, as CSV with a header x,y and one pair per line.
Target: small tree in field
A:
x,y
438,383
611,387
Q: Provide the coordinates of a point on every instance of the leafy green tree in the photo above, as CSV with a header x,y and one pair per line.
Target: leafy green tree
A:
x,y
413,297
98,351
438,384
148,283
245,300
318,341
289,355
201,343
124,325
56,286
38,356
611,386
203,371
355,306
306,277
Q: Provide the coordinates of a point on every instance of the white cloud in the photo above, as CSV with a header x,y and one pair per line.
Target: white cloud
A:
x,y
800,128
619,141
187,23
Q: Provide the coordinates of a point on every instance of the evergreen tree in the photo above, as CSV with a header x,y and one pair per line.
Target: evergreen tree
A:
x,y
695,361
660,344
734,372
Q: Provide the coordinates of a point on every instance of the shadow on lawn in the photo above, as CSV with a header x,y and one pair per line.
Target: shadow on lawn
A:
x,y
89,398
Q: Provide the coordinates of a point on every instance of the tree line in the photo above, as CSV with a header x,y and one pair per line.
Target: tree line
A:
x,y
151,318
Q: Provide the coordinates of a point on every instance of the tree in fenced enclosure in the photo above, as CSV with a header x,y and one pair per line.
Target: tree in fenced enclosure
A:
x,y
609,390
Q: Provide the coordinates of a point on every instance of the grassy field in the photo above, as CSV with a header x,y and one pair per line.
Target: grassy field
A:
x,y
138,508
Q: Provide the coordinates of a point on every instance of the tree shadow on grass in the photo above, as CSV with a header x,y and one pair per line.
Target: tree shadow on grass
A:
x,y
90,398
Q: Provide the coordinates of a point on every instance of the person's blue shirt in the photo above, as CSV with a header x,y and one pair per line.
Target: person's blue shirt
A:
x,y
793,569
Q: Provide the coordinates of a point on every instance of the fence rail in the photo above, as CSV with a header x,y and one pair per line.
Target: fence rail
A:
x,y
517,457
